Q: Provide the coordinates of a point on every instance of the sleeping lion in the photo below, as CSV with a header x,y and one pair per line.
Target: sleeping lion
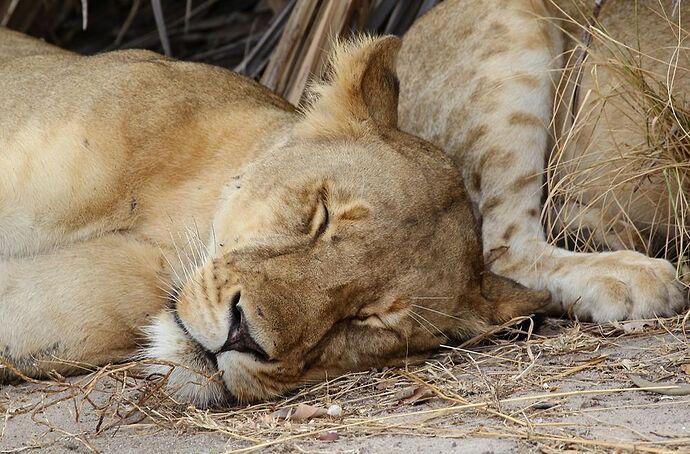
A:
x,y
256,246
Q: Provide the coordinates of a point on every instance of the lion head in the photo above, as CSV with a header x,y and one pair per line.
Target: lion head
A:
x,y
348,245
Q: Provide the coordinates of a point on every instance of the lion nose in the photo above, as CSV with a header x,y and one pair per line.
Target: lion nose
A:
x,y
239,337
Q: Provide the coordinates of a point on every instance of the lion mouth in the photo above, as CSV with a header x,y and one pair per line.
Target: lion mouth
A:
x,y
208,354
240,338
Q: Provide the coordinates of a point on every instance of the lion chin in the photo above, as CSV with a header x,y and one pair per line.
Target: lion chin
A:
x,y
192,374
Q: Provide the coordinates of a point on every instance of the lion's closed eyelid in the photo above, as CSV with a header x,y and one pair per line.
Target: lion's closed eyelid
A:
x,y
373,321
321,219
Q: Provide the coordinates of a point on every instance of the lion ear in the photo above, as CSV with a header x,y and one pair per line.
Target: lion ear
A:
x,y
360,90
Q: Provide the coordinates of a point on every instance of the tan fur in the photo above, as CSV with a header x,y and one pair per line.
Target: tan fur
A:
x,y
139,192
485,93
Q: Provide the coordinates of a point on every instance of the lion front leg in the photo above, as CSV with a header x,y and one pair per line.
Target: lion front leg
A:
x,y
83,304
601,286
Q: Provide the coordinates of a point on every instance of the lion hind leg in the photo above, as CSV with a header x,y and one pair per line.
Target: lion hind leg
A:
x,y
489,104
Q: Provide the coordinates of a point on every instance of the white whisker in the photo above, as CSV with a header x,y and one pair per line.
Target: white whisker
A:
x,y
414,316
438,312
430,324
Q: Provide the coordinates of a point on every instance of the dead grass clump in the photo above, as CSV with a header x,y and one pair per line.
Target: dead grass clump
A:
x,y
620,172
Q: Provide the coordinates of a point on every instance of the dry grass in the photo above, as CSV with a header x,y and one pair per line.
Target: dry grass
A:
x,y
545,392
619,174
279,42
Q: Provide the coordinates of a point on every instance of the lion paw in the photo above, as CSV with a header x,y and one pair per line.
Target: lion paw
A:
x,y
616,286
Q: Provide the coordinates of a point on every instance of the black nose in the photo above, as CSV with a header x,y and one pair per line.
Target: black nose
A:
x,y
239,337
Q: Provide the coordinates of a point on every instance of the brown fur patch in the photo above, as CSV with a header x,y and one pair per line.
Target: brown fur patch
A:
x,y
509,232
495,157
479,91
494,47
499,28
525,119
490,204
525,181
476,180
528,80
473,136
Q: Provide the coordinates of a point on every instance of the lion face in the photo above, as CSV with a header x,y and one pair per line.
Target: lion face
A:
x,y
348,246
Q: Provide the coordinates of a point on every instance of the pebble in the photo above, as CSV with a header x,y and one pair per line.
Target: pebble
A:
x,y
334,410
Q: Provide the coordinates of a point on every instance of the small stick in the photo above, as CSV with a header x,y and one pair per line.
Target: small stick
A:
x,y
573,370
667,389
160,24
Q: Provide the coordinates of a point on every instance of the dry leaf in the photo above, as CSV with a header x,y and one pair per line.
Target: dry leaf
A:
x,y
685,368
304,412
544,405
637,326
283,413
413,394
384,384
301,413
405,393
328,436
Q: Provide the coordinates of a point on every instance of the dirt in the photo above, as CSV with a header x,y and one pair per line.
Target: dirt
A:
x,y
567,389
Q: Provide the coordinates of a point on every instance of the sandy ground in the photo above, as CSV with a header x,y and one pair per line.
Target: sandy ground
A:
x,y
568,388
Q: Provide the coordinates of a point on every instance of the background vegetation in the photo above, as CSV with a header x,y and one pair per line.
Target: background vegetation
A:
x,y
279,42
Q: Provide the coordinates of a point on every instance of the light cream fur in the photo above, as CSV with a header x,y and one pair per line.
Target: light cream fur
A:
x,y
479,79
252,243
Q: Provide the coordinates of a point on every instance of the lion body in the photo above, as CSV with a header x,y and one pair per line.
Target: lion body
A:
x,y
185,212
495,93
140,193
